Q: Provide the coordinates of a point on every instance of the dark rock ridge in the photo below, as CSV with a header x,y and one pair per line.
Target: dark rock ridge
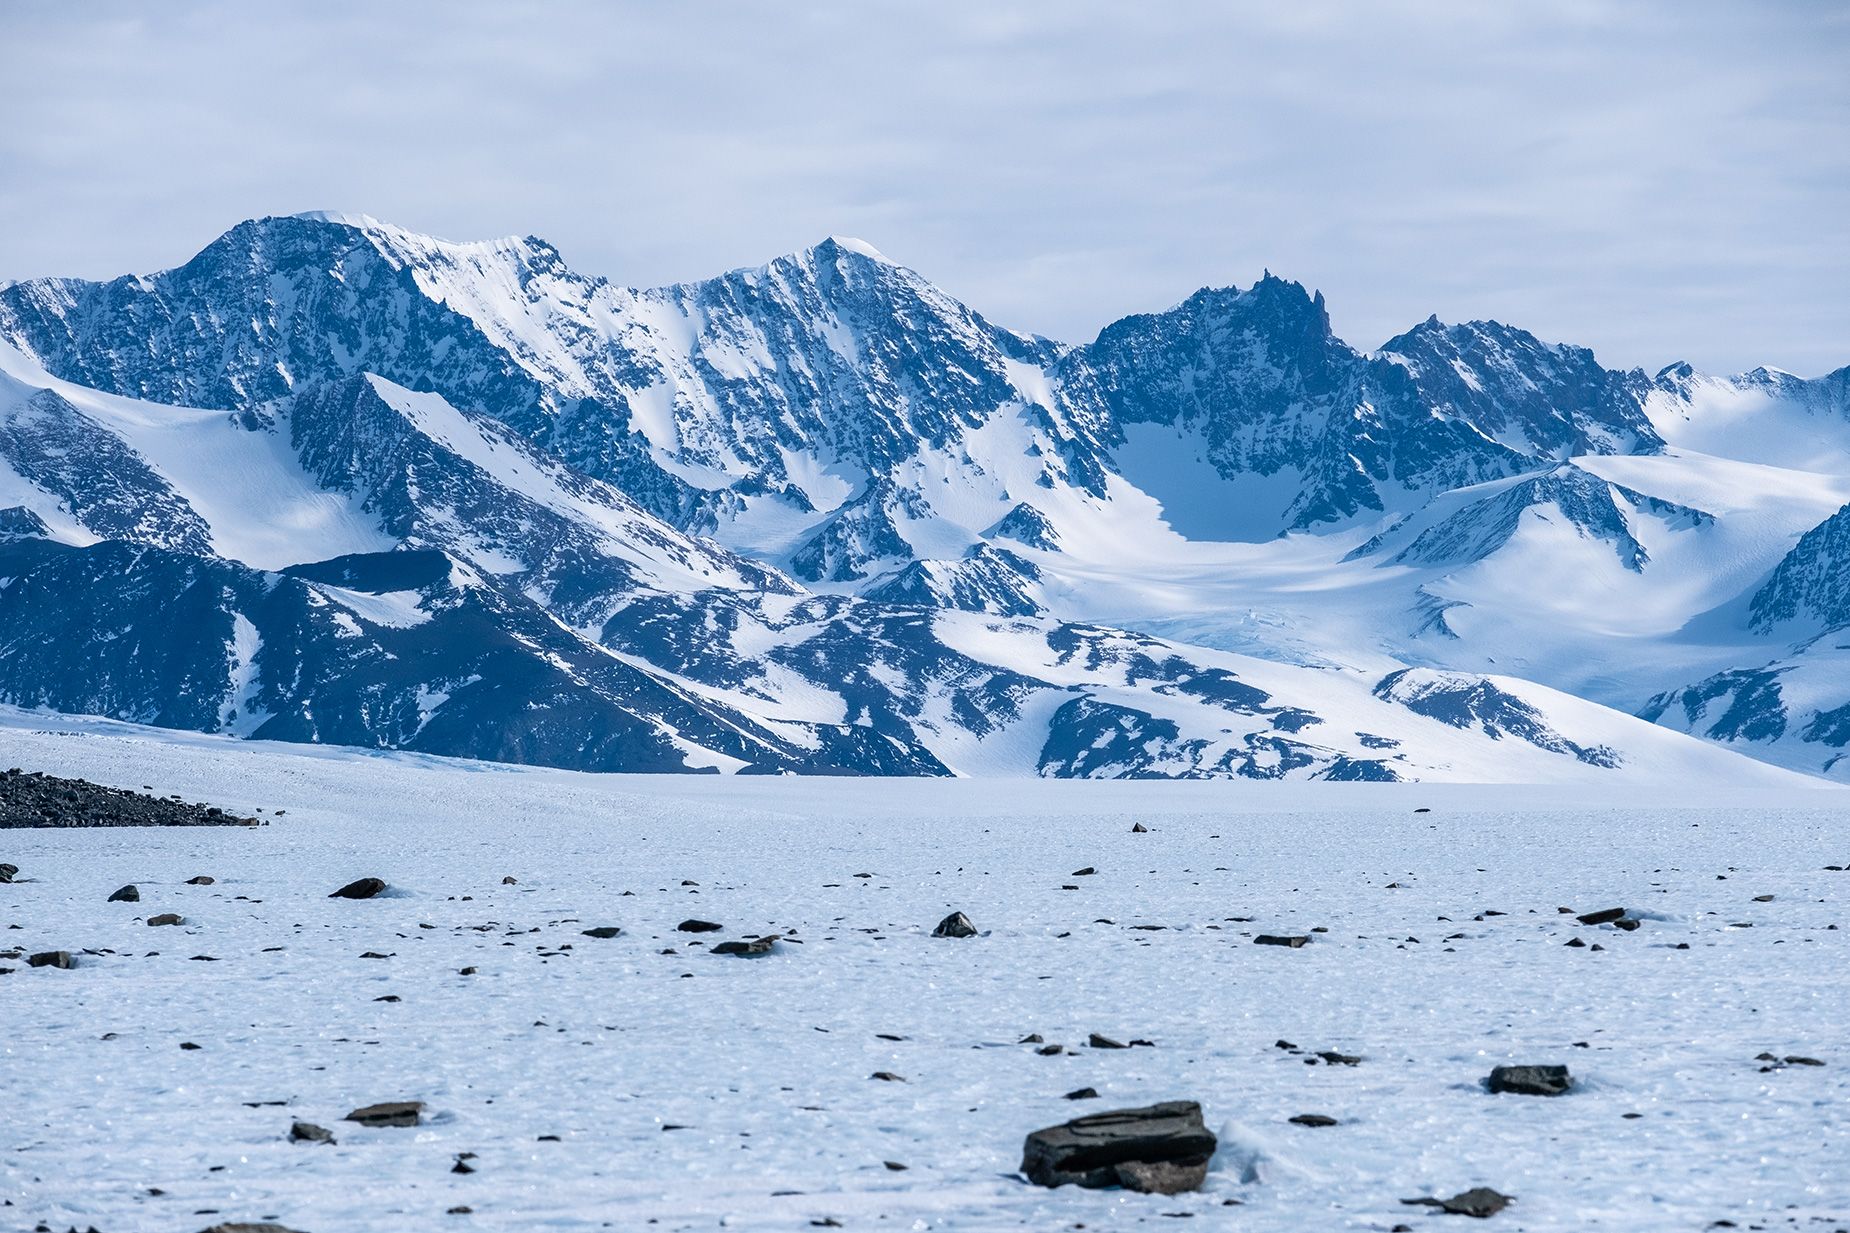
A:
x,y
33,799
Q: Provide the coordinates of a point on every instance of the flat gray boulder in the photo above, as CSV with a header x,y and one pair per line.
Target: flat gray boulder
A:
x,y
1530,1080
1160,1149
390,1113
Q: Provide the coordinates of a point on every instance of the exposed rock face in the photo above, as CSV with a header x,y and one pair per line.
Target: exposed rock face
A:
x,y
51,959
167,918
1160,1149
128,894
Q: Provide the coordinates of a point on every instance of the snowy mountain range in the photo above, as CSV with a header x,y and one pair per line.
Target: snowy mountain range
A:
x,y
333,481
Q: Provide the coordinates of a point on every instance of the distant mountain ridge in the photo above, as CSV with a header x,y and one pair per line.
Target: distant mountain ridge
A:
x,y
833,453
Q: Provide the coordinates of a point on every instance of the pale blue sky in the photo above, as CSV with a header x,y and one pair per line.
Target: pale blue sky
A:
x,y
1655,180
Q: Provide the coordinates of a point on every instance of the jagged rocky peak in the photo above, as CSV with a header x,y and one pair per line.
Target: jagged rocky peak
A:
x,y
18,522
1809,590
1540,398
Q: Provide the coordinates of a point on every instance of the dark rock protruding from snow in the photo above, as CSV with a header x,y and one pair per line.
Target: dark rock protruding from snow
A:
x,y
51,959
203,879
364,888
692,925
308,1132
389,1113
602,931
1159,1149
1530,1080
128,894
167,918
30,799
1479,1201
956,925
749,949
1605,916
1294,941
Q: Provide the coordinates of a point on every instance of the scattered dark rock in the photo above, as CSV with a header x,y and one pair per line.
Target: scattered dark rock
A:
x,y
390,1113
692,925
1626,923
601,931
203,879
51,959
8,872
1269,939
244,1227
1159,1149
462,1164
1138,828
308,1132
750,948
893,1166
1313,1119
128,894
1082,1093
189,1046
1104,1042
36,800
887,1076
364,888
510,880
1087,872
1530,1080
1605,916
1332,1058
1479,1201
1577,942
1051,1050
956,925
167,918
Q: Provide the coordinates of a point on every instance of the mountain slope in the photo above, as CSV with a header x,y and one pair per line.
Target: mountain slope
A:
x,y
821,515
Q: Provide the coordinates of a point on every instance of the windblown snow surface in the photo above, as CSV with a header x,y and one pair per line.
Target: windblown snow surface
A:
x,y
643,1082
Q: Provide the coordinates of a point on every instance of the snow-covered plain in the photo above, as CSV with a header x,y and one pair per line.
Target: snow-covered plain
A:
x,y
761,1067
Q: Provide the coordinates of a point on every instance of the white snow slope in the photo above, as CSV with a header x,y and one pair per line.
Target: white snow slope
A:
x,y
691,1091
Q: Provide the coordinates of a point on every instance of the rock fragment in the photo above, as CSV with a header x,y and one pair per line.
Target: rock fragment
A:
x,y
694,925
1605,916
601,931
750,948
1479,1201
167,918
1295,942
1530,1080
956,925
128,894
308,1132
362,888
1159,1149
388,1113
51,959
